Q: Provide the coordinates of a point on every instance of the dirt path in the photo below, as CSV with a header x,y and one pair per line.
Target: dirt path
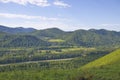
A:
x,y
37,61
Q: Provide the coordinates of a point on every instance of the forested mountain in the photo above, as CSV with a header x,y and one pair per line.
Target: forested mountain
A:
x,y
48,33
2,34
94,37
15,30
22,41
27,41
86,38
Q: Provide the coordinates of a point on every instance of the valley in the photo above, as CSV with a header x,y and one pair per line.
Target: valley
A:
x,y
53,54
59,39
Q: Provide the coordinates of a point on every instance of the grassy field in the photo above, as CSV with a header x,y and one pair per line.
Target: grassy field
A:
x,y
62,69
56,40
106,60
12,55
105,68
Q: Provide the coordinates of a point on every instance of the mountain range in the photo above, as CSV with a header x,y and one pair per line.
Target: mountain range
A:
x,y
15,30
32,37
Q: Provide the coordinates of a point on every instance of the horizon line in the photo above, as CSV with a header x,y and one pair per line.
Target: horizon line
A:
x,y
57,28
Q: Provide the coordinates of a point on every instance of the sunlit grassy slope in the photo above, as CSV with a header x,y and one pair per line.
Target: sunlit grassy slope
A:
x,y
56,40
105,68
106,60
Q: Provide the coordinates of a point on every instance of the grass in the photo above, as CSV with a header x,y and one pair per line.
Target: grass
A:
x,y
52,74
77,49
108,59
105,68
66,70
56,40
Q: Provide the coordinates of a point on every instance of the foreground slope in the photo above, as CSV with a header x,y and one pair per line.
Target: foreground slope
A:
x,y
105,68
106,60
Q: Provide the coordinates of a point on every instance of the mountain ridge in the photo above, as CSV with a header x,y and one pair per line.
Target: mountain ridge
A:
x,y
91,29
80,37
15,30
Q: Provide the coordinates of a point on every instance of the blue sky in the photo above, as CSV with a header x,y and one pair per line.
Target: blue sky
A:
x,y
65,14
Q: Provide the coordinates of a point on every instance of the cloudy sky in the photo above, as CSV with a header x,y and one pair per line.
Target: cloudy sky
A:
x,y
65,14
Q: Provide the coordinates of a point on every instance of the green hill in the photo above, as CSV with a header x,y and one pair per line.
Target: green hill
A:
x,y
25,41
48,33
86,38
94,37
105,68
106,60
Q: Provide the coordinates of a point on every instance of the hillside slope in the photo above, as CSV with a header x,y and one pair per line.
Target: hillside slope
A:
x,y
49,33
106,60
94,37
105,68
25,41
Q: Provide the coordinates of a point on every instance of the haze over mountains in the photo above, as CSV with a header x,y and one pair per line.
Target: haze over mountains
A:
x,y
32,37
30,29
15,30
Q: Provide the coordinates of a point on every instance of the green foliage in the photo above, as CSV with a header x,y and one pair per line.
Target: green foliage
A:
x,y
94,38
86,38
50,33
56,40
15,55
22,41
27,41
49,70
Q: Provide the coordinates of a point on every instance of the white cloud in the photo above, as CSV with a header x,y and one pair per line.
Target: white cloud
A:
x,y
38,22
41,25
41,3
114,26
8,15
109,25
61,4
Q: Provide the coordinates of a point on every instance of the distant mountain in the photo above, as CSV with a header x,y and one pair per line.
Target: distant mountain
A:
x,y
25,41
49,33
2,34
86,38
15,30
94,38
